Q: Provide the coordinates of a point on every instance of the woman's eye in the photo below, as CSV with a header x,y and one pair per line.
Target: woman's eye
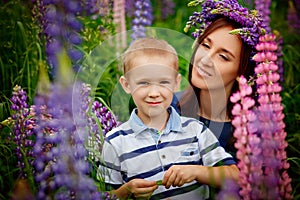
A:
x,y
224,57
205,45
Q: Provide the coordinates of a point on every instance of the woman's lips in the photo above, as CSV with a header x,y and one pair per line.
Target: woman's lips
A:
x,y
202,72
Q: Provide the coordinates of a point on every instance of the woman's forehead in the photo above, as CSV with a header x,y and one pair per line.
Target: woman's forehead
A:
x,y
222,39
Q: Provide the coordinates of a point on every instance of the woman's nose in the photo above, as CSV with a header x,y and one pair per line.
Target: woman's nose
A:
x,y
206,60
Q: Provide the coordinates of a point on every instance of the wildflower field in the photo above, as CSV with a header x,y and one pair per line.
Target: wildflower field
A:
x,y
59,69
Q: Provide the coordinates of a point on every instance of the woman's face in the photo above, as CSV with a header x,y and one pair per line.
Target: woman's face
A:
x,y
216,62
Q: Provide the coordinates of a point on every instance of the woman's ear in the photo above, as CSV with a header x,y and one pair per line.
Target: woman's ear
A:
x,y
125,85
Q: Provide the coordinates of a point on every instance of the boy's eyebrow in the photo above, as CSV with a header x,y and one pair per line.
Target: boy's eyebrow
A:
x,y
224,50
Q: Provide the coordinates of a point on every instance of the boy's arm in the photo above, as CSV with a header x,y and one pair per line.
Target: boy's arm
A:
x,y
177,175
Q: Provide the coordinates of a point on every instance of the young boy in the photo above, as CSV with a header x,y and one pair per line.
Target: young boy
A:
x,y
157,154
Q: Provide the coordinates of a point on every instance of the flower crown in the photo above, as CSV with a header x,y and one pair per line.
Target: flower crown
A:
x,y
252,24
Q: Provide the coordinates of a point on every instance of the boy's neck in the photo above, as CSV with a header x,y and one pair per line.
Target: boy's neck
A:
x,y
158,122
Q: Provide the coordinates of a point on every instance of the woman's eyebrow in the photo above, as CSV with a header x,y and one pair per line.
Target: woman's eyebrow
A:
x,y
226,51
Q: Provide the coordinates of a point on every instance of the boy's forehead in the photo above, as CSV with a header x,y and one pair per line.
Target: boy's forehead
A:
x,y
152,70
153,60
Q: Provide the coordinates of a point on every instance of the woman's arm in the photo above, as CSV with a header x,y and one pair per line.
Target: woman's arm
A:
x,y
178,175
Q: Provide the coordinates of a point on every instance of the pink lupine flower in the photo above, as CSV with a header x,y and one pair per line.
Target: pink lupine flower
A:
x,y
260,131
244,123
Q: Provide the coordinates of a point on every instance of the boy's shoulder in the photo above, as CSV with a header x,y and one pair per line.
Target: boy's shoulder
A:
x,y
192,123
121,128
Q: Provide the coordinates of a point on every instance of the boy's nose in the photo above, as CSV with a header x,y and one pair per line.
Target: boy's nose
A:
x,y
153,90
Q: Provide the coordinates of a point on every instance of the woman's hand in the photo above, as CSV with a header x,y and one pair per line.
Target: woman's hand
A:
x,y
178,175
136,189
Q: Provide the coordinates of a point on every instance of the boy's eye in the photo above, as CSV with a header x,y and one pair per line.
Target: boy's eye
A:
x,y
165,82
143,83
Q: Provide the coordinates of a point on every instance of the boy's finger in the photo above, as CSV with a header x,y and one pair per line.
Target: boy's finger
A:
x,y
170,180
166,177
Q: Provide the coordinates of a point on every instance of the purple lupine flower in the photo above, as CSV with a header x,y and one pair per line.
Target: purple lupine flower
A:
x,y
101,120
106,117
230,190
23,134
293,17
97,128
251,23
167,8
276,181
91,7
62,170
263,7
129,8
279,52
61,27
142,17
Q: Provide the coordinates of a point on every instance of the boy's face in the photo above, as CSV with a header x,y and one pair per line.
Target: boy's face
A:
x,y
151,82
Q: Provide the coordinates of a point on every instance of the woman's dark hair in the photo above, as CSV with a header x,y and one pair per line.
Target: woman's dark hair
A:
x,y
190,101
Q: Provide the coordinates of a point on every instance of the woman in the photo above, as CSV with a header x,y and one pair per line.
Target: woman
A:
x,y
219,58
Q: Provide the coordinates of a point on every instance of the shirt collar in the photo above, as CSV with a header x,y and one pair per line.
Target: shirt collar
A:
x,y
173,124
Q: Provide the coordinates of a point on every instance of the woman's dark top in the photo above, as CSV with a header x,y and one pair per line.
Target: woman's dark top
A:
x,y
222,130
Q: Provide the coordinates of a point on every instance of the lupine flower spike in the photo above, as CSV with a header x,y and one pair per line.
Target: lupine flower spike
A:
x,y
276,180
248,143
100,121
61,27
260,131
142,18
263,7
62,171
167,8
23,134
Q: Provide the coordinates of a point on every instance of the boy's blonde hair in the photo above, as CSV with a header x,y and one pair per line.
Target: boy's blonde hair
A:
x,y
150,47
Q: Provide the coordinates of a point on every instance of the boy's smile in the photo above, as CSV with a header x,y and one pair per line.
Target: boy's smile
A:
x,y
154,103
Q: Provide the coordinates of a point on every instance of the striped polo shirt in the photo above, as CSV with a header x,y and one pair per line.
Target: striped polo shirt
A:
x,y
134,150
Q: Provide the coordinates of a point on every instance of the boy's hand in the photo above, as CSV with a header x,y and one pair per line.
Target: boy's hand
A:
x,y
140,188
178,175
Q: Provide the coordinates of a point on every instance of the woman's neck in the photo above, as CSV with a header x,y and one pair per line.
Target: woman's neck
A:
x,y
213,105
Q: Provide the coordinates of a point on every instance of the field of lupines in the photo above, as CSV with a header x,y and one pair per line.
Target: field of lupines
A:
x,y
60,62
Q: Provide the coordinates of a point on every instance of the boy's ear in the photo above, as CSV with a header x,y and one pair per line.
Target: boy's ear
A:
x,y
125,85
178,80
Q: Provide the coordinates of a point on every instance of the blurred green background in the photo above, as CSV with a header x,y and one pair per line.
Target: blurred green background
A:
x,y
22,52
